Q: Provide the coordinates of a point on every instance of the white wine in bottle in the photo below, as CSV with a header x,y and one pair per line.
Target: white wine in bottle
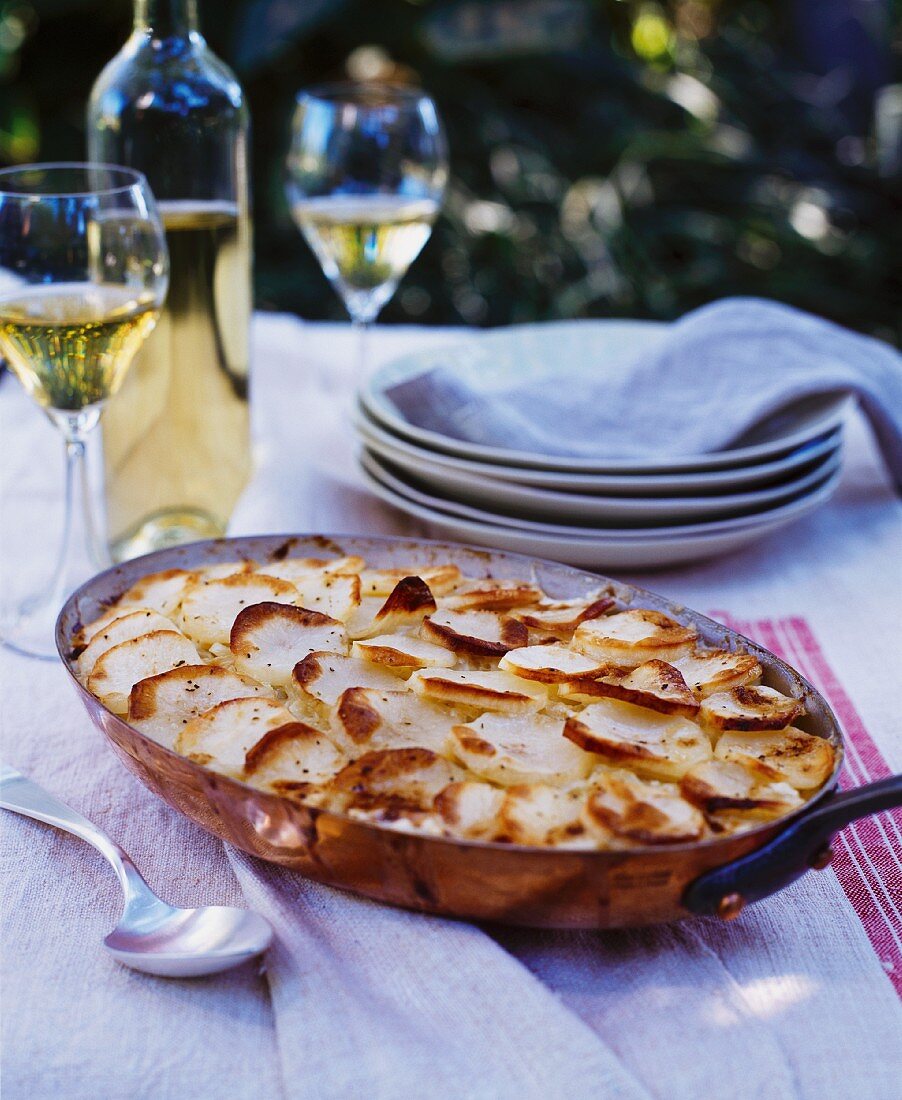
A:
x,y
176,437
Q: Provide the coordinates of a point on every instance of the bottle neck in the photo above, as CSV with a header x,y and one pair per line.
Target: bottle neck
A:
x,y
166,18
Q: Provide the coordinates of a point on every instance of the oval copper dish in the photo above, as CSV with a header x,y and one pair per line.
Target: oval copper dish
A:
x,y
497,882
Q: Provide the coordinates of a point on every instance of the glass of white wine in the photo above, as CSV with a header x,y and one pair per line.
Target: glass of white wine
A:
x,y
83,275
367,169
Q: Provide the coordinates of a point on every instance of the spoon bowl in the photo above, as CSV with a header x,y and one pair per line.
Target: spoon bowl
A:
x,y
151,936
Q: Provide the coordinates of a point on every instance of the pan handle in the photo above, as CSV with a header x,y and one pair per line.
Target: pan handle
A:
x,y
804,844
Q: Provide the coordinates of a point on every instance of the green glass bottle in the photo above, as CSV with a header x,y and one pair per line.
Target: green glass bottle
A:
x,y
176,437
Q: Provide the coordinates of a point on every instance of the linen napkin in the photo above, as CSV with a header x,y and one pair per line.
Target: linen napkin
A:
x,y
707,380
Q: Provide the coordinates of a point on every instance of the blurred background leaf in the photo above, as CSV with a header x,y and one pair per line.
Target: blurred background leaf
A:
x,y
609,158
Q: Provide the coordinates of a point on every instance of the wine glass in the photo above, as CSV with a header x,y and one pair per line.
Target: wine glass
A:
x,y
367,169
83,274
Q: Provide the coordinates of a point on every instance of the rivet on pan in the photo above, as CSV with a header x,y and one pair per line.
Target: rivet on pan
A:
x,y
822,858
730,906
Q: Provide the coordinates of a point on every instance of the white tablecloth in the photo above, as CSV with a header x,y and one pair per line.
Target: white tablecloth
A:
x,y
799,998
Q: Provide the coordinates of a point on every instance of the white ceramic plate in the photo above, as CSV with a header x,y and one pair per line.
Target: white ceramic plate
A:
x,y
590,530
615,343
649,552
548,505
419,461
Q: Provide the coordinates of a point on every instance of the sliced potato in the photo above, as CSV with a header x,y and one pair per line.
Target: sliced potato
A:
x,y
224,569
631,809
486,690
562,617
662,746
333,594
318,682
550,664
538,814
511,749
408,604
475,633
655,685
470,809
750,708
268,639
209,608
161,706
717,785
374,719
298,569
381,582
492,595
716,670
790,755
127,625
630,638
222,736
117,670
162,591
294,759
404,651
393,781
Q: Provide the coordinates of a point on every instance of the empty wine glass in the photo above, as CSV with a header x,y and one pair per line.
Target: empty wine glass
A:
x,y
367,169
83,274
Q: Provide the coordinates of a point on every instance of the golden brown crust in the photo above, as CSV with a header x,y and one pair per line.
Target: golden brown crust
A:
x,y
358,718
272,742
654,684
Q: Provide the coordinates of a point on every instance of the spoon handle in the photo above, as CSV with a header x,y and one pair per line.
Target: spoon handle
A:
x,y
22,796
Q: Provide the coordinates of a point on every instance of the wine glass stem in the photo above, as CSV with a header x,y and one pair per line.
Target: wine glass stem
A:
x,y
80,544
362,329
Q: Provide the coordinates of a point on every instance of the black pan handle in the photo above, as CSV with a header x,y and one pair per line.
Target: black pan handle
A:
x,y
805,844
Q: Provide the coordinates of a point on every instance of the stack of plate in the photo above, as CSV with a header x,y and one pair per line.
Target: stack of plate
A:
x,y
596,513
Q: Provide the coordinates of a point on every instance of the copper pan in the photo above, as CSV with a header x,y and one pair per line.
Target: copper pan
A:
x,y
496,882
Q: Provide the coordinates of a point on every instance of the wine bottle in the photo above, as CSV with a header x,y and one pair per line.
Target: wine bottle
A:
x,y
176,437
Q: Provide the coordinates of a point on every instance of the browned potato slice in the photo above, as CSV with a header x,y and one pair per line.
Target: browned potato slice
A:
x,y
655,685
224,569
391,719
222,736
797,758
750,708
486,690
550,664
333,594
475,633
470,809
716,670
161,706
662,746
209,608
161,591
535,814
318,682
127,625
393,781
408,604
268,639
562,617
381,582
300,569
630,638
404,651
492,595
717,785
117,670
626,807
294,759
510,749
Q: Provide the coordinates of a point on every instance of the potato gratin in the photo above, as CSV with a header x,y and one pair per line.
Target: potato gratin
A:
x,y
429,701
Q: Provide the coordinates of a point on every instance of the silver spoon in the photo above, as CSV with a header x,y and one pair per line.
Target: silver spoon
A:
x,y
151,935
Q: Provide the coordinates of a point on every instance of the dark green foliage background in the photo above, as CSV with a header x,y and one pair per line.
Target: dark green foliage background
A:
x,y
580,185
